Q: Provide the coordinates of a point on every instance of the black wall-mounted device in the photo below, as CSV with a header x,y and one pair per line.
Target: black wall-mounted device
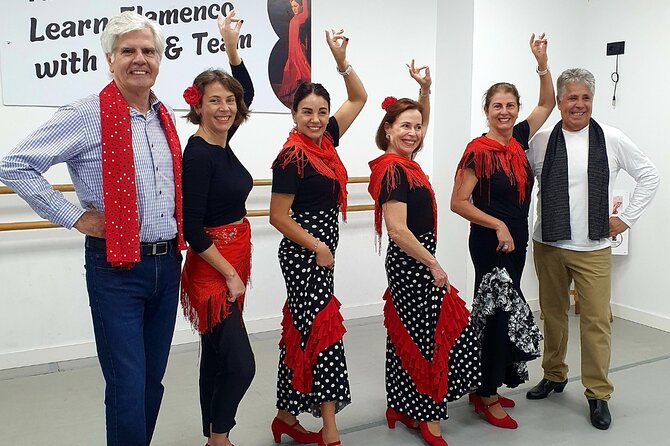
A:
x,y
615,48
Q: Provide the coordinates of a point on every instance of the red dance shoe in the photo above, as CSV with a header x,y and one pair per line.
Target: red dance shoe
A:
x,y
322,443
427,435
504,402
279,428
392,416
505,423
334,443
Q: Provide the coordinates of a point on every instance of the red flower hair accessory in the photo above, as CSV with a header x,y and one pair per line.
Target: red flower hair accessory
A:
x,y
386,103
192,95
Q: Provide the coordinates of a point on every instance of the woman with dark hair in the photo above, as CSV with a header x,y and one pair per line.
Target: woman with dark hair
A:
x,y
423,315
492,190
218,261
296,68
310,180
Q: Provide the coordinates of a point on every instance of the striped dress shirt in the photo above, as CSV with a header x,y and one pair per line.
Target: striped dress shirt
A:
x,y
72,136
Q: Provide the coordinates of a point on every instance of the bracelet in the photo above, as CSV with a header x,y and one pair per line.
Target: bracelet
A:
x,y
422,95
542,72
316,245
346,72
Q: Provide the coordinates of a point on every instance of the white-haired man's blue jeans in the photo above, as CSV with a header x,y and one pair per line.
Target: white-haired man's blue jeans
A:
x,y
133,311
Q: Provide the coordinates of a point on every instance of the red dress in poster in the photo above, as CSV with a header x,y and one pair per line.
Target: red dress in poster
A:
x,y
297,67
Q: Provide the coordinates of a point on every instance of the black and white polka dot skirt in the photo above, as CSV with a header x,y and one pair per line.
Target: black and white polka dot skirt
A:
x,y
312,366
417,307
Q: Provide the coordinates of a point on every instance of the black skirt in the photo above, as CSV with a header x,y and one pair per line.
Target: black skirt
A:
x,y
312,365
428,339
501,318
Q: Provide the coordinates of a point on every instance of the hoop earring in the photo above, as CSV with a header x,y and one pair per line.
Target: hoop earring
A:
x,y
388,137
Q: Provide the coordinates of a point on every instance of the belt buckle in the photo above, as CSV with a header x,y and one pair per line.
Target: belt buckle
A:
x,y
159,248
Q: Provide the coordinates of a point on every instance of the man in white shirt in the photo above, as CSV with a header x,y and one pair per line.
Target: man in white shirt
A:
x,y
576,164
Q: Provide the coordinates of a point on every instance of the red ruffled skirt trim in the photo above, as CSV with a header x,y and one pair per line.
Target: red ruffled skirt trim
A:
x,y
204,290
327,329
430,377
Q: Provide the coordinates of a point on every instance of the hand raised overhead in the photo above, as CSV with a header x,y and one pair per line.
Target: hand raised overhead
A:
x,y
424,81
538,47
337,42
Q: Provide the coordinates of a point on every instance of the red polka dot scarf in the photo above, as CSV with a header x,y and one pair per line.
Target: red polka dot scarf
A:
x,y
122,229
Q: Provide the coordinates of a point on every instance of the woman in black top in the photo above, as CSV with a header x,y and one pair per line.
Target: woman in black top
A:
x,y
492,190
310,180
428,359
218,262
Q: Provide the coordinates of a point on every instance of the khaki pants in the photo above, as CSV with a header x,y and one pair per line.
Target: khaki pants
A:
x,y
591,271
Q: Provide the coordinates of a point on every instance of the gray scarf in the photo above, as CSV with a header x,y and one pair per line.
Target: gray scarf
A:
x,y
554,187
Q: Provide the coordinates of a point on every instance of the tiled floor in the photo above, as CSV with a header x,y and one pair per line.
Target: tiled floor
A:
x,y
61,405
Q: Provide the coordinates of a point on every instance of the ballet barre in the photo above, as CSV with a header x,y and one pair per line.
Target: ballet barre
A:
x,y
43,224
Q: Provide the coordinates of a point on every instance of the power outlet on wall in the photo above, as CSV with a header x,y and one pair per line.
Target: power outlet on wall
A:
x,y
615,48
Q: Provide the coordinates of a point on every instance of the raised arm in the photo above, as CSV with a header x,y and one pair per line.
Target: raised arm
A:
x,y
424,82
303,15
547,99
356,94
229,28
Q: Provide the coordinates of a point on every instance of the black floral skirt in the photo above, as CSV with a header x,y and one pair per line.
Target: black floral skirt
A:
x,y
501,318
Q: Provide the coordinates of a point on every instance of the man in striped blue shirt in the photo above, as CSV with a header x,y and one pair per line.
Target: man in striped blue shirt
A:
x,y
133,308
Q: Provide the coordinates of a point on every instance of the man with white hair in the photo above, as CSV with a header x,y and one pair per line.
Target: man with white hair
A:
x,y
576,164
123,154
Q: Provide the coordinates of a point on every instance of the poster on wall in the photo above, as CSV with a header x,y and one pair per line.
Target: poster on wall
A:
x,y
51,55
290,60
620,242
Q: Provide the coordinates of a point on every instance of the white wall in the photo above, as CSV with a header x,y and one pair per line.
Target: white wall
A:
x,y
451,125
578,31
45,314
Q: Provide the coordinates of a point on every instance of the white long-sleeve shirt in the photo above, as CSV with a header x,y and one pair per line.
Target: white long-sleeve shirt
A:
x,y
622,153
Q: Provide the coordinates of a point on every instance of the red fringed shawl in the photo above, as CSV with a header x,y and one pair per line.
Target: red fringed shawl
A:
x,y
204,291
300,150
490,156
429,376
388,164
122,229
327,329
